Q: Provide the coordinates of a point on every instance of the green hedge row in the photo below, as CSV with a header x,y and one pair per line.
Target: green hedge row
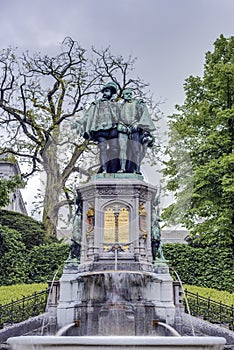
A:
x,y
18,291
32,231
21,265
206,267
45,261
27,255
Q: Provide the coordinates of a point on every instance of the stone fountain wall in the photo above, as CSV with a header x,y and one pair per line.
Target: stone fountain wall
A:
x,y
115,288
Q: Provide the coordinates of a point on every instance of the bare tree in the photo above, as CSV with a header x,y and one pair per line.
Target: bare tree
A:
x,y
39,95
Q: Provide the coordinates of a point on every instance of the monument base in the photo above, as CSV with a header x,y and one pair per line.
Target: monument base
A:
x,y
115,302
115,288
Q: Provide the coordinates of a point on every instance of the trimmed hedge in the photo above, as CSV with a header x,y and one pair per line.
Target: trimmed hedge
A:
x,y
45,261
32,231
13,266
206,267
222,296
19,265
27,255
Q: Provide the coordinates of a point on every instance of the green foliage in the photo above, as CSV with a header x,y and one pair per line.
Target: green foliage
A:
x,y
26,253
32,231
46,260
200,154
214,294
7,186
17,291
13,267
205,267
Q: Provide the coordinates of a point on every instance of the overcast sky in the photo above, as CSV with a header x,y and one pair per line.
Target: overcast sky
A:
x,y
169,37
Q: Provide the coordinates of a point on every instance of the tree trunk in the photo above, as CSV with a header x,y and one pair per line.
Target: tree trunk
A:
x,y
52,187
50,213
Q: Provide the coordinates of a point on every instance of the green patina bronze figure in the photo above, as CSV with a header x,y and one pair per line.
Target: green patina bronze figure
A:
x,y
134,131
122,130
76,229
100,124
156,243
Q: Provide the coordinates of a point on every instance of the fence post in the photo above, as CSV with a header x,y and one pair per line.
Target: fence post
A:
x,y
197,305
231,324
208,308
220,312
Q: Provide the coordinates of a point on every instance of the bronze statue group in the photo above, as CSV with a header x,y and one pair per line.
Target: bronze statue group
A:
x,y
122,129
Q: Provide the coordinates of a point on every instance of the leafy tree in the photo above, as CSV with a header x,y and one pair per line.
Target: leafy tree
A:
x,y
7,186
200,163
39,97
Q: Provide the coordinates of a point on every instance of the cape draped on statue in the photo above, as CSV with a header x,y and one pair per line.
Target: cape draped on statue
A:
x,y
101,115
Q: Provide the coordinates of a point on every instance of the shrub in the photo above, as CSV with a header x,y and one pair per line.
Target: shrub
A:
x,y
26,254
45,260
32,231
13,267
214,294
204,267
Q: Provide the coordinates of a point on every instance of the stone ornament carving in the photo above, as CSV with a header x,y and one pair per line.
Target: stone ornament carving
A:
x,y
90,221
142,221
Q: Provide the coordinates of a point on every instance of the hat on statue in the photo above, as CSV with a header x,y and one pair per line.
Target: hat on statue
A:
x,y
112,85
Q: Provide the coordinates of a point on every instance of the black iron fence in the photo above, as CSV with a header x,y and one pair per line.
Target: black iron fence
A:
x,y
22,309
210,310
34,305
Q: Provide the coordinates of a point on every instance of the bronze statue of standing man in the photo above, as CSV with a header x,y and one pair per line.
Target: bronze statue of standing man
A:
x,y
100,124
134,127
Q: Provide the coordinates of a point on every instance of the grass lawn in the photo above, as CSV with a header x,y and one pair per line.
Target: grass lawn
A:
x,y
214,294
17,291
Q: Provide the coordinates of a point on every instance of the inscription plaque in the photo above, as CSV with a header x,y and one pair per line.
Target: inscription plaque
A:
x,y
116,225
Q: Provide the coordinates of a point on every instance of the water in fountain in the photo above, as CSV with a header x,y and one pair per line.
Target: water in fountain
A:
x,y
186,301
119,303
49,295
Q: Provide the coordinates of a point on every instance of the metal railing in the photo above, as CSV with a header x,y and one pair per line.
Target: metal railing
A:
x,y
210,310
22,309
35,304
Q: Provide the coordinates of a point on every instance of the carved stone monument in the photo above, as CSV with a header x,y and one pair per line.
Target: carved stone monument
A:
x,y
116,280
115,275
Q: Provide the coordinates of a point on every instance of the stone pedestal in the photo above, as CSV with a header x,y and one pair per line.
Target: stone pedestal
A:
x,y
116,209
115,288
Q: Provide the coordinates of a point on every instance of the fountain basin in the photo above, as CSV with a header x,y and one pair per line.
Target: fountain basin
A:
x,y
115,343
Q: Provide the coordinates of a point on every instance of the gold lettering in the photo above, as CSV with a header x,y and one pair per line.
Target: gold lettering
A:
x,y
121,226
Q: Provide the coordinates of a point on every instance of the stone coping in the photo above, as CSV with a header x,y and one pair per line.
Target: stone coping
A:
x,y
117,340
117,176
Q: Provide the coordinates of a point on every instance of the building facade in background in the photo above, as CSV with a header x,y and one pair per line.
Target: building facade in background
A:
x,y
8,169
